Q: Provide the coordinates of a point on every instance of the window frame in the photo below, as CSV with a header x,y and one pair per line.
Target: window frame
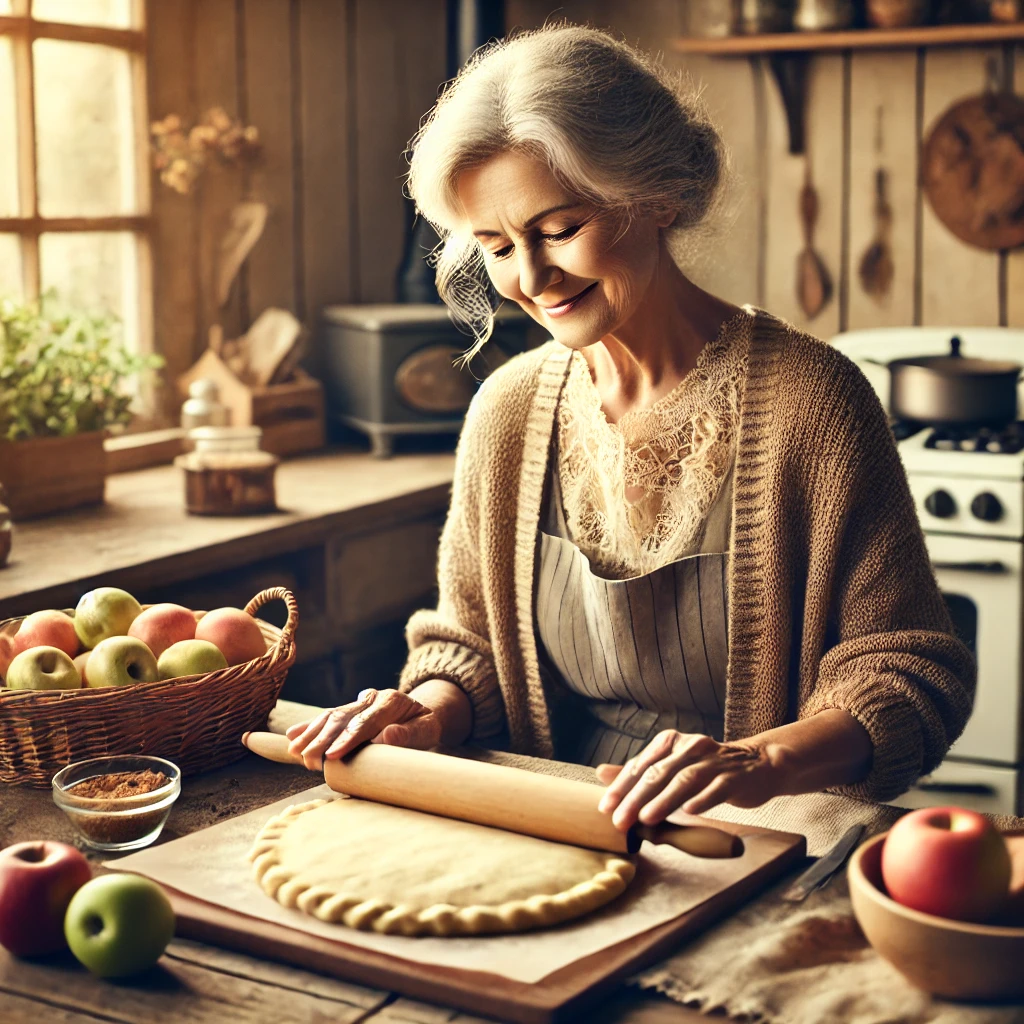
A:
x,y
23,29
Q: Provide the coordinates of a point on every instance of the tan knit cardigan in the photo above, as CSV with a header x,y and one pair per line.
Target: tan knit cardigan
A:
x,y
832,600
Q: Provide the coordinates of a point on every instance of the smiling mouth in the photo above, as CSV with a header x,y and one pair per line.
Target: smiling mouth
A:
x,y
567,304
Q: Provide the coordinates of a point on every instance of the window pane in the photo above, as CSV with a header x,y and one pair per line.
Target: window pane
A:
x,y
114,13
94,270
10,267
8,132
84,130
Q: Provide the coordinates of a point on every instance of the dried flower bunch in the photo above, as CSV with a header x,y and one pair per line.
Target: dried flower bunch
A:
x,y
181,155
63,371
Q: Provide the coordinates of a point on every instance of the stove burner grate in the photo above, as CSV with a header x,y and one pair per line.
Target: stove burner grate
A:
x,y
1005,440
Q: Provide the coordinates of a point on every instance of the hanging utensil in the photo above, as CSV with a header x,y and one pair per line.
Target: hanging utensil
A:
x,y
813,282
876,265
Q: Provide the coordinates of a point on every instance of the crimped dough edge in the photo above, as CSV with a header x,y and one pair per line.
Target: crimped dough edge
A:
x,y
442,919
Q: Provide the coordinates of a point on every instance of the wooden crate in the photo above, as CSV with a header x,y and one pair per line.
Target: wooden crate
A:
x,y
42,475
291,414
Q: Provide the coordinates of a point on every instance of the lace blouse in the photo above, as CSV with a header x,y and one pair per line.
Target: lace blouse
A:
x,y
678,451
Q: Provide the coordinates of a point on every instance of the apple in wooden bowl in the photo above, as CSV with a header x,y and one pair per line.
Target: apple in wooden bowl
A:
x,y
948,958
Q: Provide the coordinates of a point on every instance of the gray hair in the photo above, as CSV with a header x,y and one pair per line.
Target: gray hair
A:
x,y
614,126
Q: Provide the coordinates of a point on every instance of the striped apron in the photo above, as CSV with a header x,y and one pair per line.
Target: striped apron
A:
x,y
624,659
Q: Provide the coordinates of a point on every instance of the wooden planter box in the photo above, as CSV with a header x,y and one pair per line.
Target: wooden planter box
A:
x,y
50,474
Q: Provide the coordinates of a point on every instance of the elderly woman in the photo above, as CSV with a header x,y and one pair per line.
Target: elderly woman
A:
x,y
681,546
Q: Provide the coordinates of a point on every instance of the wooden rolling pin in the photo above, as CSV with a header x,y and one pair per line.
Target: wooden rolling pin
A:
x,y
490,794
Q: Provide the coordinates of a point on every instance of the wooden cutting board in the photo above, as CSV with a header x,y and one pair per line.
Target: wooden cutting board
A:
x,y
558,997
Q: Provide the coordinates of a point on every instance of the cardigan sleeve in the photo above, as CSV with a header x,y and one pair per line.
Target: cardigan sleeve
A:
x,y
896,664
452,642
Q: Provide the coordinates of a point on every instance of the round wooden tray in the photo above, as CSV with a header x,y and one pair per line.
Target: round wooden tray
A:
x,y
972,170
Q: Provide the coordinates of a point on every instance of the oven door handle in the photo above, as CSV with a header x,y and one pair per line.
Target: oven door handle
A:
x,y
993,568
965,788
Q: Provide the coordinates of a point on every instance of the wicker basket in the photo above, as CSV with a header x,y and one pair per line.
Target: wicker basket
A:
x,y
196,721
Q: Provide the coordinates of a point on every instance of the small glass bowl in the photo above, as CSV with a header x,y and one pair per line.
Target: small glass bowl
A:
x,y
117,823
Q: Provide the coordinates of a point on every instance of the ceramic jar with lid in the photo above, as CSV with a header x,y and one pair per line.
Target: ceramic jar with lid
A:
x,y
203,407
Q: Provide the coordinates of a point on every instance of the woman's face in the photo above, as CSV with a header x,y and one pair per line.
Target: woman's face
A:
x,y
580,271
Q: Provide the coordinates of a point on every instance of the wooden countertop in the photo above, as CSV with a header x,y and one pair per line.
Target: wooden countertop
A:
x,y
143,535
202,983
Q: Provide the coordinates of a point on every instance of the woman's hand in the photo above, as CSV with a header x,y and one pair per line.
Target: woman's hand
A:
x,y
686,770
382,716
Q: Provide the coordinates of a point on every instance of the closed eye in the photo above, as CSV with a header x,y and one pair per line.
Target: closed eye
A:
x,y
559,236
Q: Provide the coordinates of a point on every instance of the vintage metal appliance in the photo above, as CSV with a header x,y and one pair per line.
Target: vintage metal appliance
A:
x,y
968,486
390,370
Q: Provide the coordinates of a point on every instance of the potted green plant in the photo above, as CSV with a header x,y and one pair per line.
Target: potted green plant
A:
x,y
64,382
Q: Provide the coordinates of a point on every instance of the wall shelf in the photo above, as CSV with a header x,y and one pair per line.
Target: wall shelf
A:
x,y
853,39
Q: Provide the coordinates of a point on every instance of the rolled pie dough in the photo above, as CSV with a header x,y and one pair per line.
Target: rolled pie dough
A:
x,y
402,872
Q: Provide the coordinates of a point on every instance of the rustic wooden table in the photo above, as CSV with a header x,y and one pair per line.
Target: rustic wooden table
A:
x,y
205,985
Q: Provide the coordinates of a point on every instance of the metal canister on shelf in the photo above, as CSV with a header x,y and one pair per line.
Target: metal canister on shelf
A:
x,y
757,16
712,19
823,15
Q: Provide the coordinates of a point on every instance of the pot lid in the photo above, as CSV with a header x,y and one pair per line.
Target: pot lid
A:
x,y
961,366
956,365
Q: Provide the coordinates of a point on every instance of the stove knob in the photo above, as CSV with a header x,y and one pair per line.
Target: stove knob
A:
x,y
988,507
940,504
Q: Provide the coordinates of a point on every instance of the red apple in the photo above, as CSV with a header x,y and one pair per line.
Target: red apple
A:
x,y
6,653
947,861
80,662
47,629
162,625
37,881
235,632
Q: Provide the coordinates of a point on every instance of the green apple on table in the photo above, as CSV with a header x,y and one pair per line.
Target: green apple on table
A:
x,y
105,612
43,668
120,661
190,658
119,924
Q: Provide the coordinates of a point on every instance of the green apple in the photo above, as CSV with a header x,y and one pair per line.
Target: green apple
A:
x,y
43,668
190,658
119,924
120,661
104,612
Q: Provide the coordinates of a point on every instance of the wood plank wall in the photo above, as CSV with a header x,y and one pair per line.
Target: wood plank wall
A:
x,y
336,88
938,280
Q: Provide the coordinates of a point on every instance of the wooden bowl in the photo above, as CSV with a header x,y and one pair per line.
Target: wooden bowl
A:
x,y
953,959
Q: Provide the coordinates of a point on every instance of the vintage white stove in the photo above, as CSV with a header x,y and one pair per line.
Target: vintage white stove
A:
x,y
968,487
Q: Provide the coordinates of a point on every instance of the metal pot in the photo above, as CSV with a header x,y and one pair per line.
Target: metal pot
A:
x,y
954,389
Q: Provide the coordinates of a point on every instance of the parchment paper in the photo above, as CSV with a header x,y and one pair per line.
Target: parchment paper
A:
x,y
213,865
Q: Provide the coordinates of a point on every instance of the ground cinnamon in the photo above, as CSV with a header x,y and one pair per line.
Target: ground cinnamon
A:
x,y
120,784
108,791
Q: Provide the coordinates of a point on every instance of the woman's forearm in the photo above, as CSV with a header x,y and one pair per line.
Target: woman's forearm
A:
x,y
830,748
452,707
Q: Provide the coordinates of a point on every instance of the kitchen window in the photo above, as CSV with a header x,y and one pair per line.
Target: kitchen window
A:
x,y
74,157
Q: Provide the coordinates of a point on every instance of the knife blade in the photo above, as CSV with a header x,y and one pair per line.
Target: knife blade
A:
x,y
819,873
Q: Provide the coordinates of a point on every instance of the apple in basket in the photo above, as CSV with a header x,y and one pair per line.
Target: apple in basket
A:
x,y
37,881
104,612
162,625
43,668
47,629
6,654
120,661
190,658
234,632
947,861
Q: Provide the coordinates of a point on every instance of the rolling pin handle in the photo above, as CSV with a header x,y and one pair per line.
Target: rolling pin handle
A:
x,y
271,746
698,840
